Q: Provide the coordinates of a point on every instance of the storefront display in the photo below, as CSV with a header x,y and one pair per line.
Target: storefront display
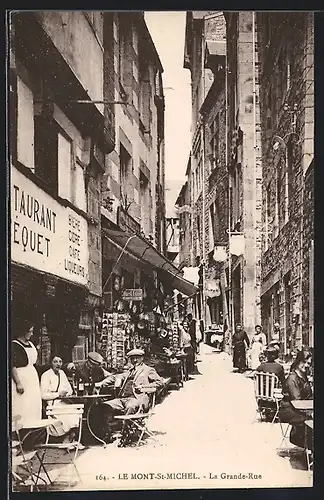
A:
x,y
174,336
114,339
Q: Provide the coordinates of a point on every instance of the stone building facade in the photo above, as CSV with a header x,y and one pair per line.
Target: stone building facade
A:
x,y
244,163
134,180
207,176
287,123
183,201
133,186
265,153
60,136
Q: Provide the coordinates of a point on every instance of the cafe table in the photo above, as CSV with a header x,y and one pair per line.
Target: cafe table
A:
x,y
89,401
303,404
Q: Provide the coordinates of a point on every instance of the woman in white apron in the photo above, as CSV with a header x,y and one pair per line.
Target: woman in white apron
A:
x,y
26,396
258,345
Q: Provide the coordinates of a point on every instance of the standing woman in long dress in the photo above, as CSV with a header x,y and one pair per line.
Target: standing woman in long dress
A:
x,y
26,394
240,341
258,345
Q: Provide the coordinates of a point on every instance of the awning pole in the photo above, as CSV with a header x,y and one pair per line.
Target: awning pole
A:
x,y
119,257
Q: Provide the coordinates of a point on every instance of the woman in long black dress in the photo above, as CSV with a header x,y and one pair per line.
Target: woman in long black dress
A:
x,y
240,342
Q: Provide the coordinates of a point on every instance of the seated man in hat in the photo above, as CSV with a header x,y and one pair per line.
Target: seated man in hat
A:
x,y
130,398
90,370
271,366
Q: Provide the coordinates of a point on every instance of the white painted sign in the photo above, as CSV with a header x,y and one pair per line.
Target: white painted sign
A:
x,y
44,234
132,294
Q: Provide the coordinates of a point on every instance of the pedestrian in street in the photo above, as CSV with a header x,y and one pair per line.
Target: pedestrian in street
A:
x,y
200,330
275,338
185,344
240,342
192,328
297,387
26,394
258,345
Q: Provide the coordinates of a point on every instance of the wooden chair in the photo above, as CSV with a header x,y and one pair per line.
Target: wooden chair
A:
x,y
266,388
21,459
309,426
136,423
71,448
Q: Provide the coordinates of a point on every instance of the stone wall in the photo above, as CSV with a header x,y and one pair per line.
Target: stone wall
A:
x,y
308,258
244,116
138,138
286,81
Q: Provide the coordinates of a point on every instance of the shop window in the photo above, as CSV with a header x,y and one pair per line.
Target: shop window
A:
x,y
64,167
25,125
79,350
127,279
216,310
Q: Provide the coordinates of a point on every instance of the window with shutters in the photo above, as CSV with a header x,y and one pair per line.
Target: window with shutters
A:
x,y
125,172
288,180
144,94
125,70
25,125
80,197
64,163
46,151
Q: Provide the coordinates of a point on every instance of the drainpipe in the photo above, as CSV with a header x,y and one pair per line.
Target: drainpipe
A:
x,y
256,316
203,186
230,315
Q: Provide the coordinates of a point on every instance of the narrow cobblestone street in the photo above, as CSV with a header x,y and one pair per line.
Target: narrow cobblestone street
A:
x,y
209,427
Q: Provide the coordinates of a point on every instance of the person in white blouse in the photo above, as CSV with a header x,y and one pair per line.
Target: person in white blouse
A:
x,y
55,385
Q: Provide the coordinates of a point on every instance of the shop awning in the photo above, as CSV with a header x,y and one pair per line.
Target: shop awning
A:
x,y
147,253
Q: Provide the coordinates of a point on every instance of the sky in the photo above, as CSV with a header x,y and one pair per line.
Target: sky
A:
x,y
168,33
